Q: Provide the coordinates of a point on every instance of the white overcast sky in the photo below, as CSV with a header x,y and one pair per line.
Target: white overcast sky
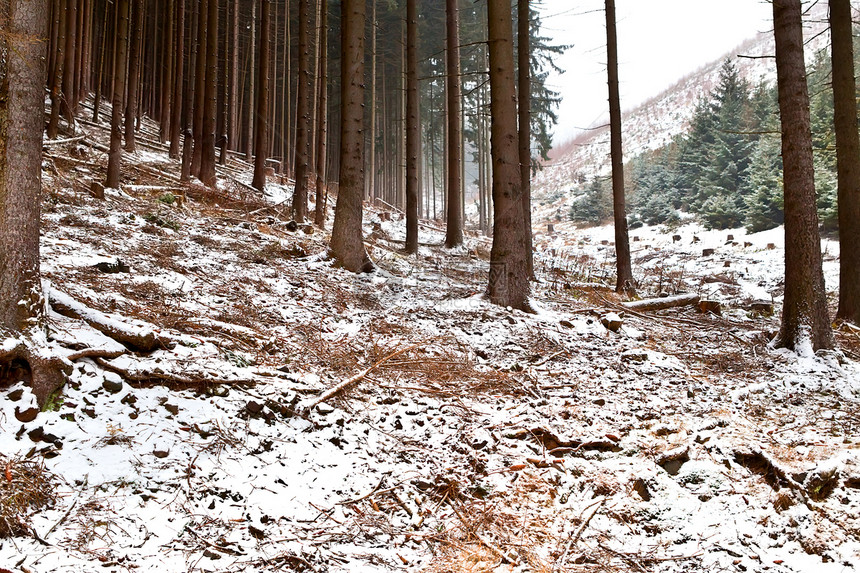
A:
x,y
659,42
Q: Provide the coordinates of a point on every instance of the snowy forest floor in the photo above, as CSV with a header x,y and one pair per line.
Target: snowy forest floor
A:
x,y
482,440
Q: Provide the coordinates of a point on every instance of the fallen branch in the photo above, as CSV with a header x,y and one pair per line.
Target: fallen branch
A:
x,y
361,375
131,375
142,339
661,303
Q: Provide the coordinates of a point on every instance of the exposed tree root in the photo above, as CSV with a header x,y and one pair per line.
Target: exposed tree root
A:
x,y
31,359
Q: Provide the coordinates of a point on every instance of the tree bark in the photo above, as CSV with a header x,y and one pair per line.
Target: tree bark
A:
x,y
454,183
169,76
346,238
199,85
509,278
134,66
119,72
524,90
210,108
22,107
322,118
624,270
179,78
413,127
261,145
805,323
69,95
847,159
57,70
303,120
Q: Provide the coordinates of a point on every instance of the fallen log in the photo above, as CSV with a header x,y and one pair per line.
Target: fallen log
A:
x,y
137,338
661,303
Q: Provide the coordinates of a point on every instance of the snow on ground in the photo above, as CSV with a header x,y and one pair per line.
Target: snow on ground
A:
x,y
494,441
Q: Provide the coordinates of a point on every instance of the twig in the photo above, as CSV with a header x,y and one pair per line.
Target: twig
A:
x,y
361,375
581,529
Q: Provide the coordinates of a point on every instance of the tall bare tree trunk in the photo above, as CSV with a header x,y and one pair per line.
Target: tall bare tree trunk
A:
x,y
69,95
847,159
119,73
303,119
210,108
57,71
261,145
624,269
22,109
200,85
347,243
454,184
235,110
509,277
413,127
805,323
134,66
322,118
524,87
169,76
178,90
252,84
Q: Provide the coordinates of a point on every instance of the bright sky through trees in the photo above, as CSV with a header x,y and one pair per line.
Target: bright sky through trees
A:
x,y
659,42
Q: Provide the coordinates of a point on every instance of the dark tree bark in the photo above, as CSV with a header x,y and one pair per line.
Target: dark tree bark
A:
x,y
303,119
22,108
233,80
847,159
169,77
805,322
524,88
322,118
134,66
57,70
179,78
119,73
69,95
199,85
261,145
347,242
509,277
252,84
210,108
624,269
454,183
413,127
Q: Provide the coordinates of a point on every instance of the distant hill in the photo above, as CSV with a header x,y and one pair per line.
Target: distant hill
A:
x,y
654,123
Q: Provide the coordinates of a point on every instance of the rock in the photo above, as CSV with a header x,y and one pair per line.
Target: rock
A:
x,y
612,322
292,226
672,460
15,395
172,408
761,307
97,190
676,238
747,244
707,252
112,268
727,264
636,355
730,238
160,454
566,323
36,434
308,229
254,408
27,414
771,246
641,488
550,228
112,383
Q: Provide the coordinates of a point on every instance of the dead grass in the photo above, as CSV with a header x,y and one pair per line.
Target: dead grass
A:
x,y
25,487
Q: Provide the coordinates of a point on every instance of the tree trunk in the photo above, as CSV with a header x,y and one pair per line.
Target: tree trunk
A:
x,y
199,85
179,78
509,278
322,118
413,127
134,66
346,238
454,184
210,108
234,109
261,145
303,119
847,159
57,70
22,107
119,73
524,80
252,84
69,96
624,269
805,323
169,77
